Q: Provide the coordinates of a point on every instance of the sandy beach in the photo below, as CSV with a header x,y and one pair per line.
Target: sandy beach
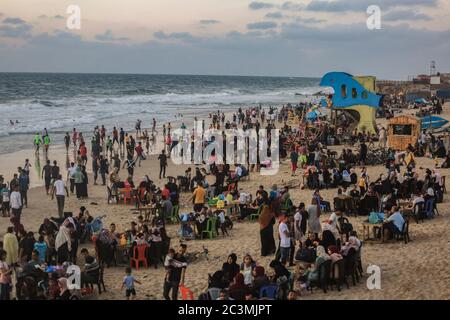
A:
x,y
417,270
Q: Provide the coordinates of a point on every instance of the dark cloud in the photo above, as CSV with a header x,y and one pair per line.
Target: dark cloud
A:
x,y
58,16
309,20
262,25
362,5
108,36
15,28
182,36
209,21
292,6
13,21
404,15
260,5
274,15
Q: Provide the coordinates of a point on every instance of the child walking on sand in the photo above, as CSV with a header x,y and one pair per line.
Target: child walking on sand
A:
x,y
128,283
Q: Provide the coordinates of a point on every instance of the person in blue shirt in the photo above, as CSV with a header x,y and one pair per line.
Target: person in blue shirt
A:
x,y
395,222
41,248
128,282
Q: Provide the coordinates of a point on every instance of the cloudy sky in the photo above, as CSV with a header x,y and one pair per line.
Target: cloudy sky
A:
x,y
226,37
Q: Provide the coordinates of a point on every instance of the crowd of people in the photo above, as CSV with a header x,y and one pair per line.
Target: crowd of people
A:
x,y
42,260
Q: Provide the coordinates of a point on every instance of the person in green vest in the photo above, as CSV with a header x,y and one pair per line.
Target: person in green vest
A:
x,y
46,143
37,142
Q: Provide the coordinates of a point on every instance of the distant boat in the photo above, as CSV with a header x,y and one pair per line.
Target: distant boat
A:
x,y
433,122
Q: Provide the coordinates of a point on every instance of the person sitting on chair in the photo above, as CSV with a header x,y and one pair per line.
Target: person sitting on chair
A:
x,y
395,222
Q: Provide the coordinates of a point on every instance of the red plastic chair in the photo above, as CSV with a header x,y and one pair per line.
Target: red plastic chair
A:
x,y
186,293
139,256
127,195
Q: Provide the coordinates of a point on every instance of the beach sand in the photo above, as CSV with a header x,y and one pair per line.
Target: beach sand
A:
x,y
417,270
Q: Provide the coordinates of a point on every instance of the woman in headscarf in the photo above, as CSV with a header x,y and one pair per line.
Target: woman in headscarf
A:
x,y
259,279
314,217
217,280
84,185
11,247
64,292
312,274
266,222
333,252
230,268
63,243
328,239
238,288
353,242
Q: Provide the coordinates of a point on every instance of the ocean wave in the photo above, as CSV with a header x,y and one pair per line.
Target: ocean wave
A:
x,y
65,113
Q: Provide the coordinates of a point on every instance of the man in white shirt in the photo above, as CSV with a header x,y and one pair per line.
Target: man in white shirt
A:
x,y
58,188
15,201
395,222
285,239
71,176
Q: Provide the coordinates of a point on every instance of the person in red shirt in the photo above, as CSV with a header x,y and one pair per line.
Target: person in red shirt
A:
x,y
83,153
115,136
140,153
165,192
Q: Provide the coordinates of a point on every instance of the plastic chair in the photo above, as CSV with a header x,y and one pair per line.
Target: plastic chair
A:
x,y
256,215
140,252
287,205
268,292
215,225
214,293
127,195
186,293
174,218
209,229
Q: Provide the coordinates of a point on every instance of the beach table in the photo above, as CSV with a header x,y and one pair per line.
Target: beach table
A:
x,y
231,208
368,227
146,211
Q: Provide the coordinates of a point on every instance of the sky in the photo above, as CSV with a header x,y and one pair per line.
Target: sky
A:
x,y
226,37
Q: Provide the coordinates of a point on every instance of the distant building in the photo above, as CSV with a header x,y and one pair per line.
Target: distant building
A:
x,y
422,79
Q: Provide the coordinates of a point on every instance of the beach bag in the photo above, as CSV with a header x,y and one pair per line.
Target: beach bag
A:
x,y
220,204
373,217
213,201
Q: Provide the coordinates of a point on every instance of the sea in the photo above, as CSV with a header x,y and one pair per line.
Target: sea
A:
x,y
60,102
